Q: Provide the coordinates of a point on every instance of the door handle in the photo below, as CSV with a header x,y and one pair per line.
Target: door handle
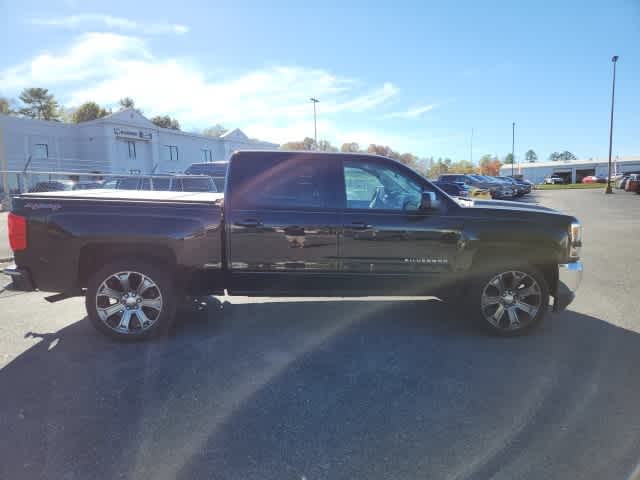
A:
x,y
249,222
360,226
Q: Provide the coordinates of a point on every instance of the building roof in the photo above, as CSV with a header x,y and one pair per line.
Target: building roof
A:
x,y
132,117
573,163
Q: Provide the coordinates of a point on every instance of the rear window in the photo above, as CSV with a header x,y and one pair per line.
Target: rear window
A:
x,y
198,185
292,181
211,169
451,178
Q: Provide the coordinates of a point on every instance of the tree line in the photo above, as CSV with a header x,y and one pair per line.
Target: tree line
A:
x,y
428,166
40,104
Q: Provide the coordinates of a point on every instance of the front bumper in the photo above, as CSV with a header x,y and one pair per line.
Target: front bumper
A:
x,y
20,276
569,278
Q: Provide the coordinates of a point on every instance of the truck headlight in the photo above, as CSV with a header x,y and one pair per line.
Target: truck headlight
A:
x,y
575,240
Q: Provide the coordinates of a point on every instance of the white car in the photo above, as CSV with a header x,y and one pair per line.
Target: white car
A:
x,y
553,179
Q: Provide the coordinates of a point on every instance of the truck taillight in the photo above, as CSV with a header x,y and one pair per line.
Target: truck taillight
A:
x,y
17,232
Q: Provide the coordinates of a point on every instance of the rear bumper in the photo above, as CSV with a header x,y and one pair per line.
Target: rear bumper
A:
x,y
569,279
21,277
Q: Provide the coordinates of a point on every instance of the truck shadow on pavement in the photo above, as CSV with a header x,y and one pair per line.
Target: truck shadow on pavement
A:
x,y
316,389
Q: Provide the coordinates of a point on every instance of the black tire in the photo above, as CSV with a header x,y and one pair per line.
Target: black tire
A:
x,y
504,326
163,283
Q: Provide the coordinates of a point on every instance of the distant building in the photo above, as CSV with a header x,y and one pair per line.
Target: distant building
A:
x,y
123,142
572,171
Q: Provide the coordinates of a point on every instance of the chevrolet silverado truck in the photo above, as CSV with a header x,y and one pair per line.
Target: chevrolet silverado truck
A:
x,y
295,224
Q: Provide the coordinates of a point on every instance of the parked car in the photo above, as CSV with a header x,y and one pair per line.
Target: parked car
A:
x,y
216,170
479,193
295,224
499,189
495,190
520,188
553,180
594,179
622,179
174,183
622,182
633,183
456,189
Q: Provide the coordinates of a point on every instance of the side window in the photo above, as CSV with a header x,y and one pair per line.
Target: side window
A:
x,y
176,184
129,183
145,184
379,187
161,184
289,182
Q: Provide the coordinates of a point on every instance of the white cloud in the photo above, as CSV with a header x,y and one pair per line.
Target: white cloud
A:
x,y
270,103
89,21
413,112
90,58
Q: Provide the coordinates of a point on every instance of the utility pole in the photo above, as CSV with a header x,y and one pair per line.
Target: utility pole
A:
x,y
471,147
315,128
513,144
614,60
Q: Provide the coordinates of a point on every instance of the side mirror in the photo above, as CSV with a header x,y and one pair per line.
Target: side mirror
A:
x,y
428,200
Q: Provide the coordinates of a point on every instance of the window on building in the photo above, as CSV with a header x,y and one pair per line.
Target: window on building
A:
x,y
41,150
206,155
170,153
132,150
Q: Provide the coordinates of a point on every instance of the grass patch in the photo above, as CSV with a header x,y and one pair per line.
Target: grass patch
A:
x,y
570,186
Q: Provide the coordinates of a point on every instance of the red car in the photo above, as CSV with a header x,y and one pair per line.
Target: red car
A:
x,y
594,179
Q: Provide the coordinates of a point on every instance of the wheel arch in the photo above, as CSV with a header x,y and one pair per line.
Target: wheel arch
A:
x,y
94,255
536,257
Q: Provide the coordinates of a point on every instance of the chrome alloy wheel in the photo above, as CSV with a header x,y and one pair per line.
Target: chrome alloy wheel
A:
x,y
128,302
511,300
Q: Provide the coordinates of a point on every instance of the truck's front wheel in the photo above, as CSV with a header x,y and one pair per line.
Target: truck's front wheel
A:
x,y
130,300
509,300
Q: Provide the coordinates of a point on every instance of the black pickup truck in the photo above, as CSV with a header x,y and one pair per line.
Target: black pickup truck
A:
x,y
295,224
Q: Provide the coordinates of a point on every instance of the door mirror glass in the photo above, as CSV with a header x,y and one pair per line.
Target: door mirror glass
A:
x,y
429,201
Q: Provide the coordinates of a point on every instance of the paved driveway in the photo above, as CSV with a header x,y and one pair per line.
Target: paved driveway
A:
x,y
290,388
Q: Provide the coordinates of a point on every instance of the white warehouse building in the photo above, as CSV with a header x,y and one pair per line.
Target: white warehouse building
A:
x,y
572,171
121,143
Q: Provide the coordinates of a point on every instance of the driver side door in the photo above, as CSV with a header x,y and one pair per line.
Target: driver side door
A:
x,y
388,245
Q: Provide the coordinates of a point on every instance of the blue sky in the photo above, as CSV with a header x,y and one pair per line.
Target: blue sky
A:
x,y
417,76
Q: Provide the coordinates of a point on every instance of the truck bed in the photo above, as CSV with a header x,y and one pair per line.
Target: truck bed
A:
x,y
71,231
134,195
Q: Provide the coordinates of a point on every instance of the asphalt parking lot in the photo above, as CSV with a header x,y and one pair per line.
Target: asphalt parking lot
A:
x,y
321,388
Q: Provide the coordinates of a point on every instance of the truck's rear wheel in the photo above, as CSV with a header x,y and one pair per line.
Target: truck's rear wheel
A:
x,y
130,300
511,300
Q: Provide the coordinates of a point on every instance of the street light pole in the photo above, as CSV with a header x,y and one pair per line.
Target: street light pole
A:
x,y
614,60
471,146
315,129
513,144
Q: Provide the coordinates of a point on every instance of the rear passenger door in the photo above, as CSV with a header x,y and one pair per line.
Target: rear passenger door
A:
x,y
282,224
